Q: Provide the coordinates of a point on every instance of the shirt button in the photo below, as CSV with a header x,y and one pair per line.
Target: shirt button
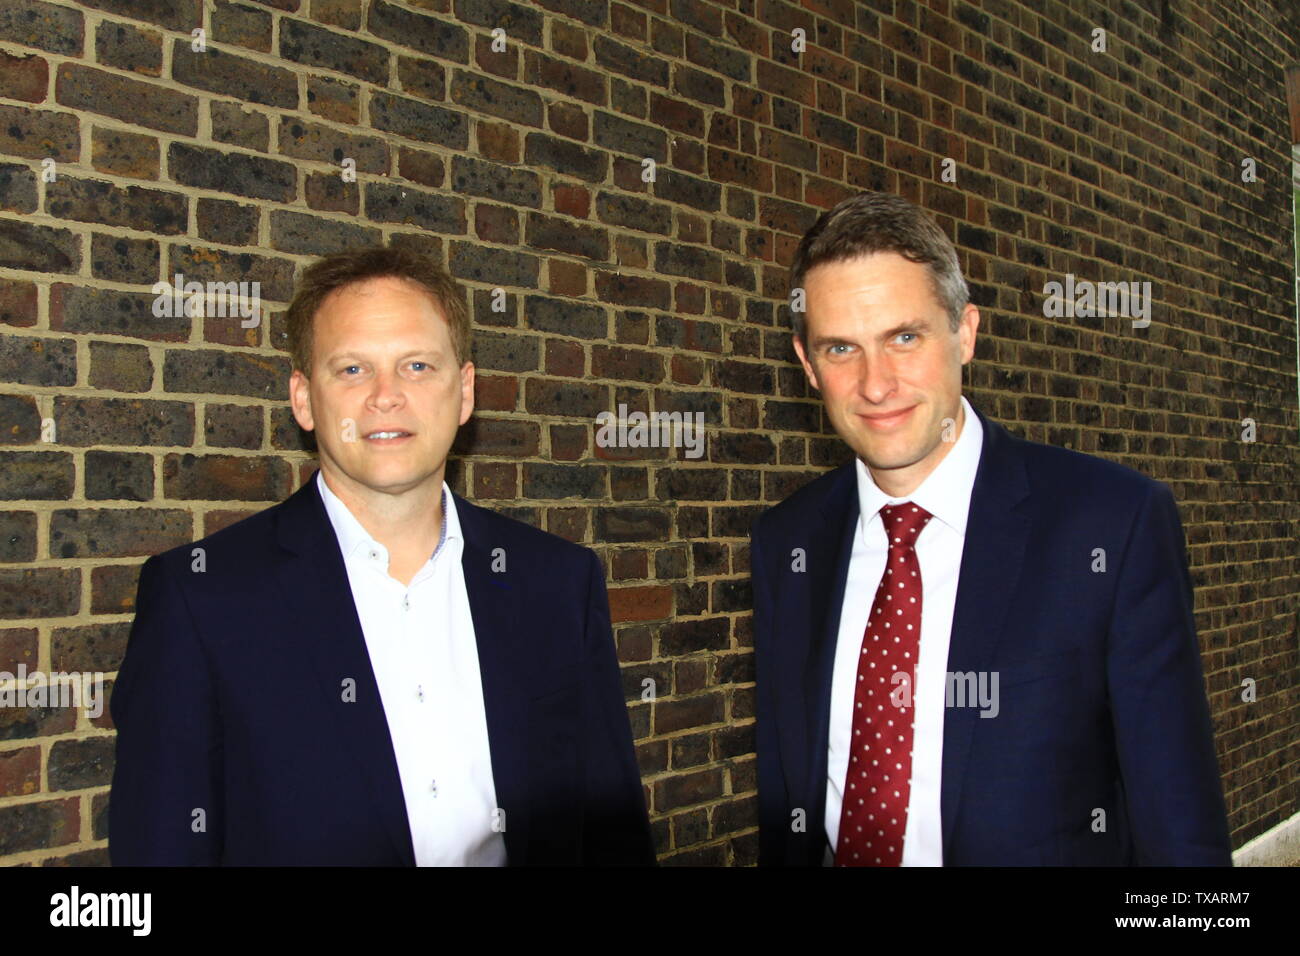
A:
x,y
433,787
406,602
374,555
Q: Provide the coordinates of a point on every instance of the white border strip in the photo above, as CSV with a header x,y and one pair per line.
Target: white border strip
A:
x,y
1279,846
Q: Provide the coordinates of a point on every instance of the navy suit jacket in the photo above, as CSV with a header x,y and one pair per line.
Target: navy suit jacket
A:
x,y
1102,705
230,700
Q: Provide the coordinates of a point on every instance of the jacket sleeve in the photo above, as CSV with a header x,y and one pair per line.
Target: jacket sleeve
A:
x,y
616,826
165,805
773,812
1163,735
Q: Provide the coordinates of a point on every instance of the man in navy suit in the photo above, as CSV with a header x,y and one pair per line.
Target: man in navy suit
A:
x,y
971,649
375,671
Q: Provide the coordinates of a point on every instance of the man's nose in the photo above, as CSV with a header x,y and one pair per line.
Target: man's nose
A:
x,y
877,378
386,390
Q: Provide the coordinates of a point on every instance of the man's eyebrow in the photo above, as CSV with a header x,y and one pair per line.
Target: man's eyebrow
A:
x,y
357,355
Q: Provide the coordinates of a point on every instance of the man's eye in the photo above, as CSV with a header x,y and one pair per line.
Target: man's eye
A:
x,y
425,364
835,349
347,367
912,334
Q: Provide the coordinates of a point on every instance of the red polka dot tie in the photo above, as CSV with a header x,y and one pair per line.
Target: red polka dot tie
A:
x,y
873,817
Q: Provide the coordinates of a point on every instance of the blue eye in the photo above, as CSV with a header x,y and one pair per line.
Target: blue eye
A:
x,y
425,364
912,334
350,366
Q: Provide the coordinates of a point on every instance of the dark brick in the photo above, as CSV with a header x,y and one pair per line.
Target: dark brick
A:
x,y
24,77
688,190
565,77
303,140
132,101
219,372
118,476
311,45
39,134
120,367
476,177
44,26
86,309
565,317
17,188
31,360
227,221
123,259
626,524
32,826
78,764
36,475
565,235
129,48
619,58
564,481
17,544
479,92
501,267
565,157
328,192
392,203
419,121
334,99
131,422
203,264
124,154
219,72
254,176
241,26
134,207
312,235
234,124
430,35
225,477
521,23
116,532
90,648
504,352
233,426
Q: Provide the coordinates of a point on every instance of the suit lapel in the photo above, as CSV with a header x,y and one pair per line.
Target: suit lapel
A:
x,y
991,564
318,598
807,621
503,667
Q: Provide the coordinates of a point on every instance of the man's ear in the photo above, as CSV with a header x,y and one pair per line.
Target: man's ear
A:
x,y
966,329
466,391
807,365
300,400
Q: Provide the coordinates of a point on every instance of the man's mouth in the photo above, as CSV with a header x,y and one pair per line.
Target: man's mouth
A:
x,y
387,437
889,420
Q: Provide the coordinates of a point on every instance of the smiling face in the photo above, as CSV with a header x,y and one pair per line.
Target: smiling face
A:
x,y
880,351
382,359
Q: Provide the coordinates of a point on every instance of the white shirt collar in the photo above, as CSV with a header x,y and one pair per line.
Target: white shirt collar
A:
x,y
945,493
354,537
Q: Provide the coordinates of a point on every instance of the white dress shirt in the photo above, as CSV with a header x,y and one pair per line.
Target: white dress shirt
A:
x,y
945,493
423,651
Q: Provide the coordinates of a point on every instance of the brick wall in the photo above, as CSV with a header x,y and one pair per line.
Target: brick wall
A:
x,y
128,156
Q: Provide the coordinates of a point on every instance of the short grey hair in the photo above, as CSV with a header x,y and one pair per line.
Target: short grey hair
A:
x,y
873,222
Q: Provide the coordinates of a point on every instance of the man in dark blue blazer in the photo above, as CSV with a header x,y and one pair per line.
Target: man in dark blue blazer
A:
x,y
971,649
375,671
